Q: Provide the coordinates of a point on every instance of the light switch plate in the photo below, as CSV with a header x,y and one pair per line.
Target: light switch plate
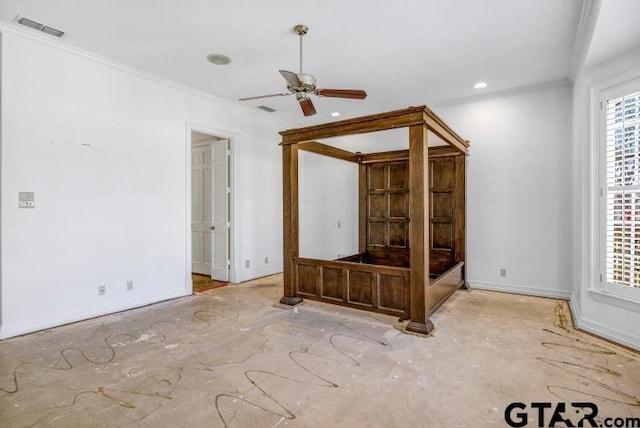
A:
x,y
26,200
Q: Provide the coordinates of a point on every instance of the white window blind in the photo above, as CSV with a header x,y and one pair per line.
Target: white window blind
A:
x,y
622,190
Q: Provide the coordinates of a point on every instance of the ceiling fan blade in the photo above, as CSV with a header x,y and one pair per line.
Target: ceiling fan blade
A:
x,y
307,106
291,78
265,96
356,94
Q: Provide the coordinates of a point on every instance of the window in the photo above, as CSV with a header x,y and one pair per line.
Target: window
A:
x,y
620,191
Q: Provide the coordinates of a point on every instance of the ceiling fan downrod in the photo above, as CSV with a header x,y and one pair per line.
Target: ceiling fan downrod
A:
x,y
301,30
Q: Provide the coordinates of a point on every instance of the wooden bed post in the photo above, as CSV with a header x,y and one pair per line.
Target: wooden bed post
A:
x,y
290,227
362,208
419,231
460,210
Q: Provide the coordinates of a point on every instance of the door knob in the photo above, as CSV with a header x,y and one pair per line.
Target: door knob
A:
x,y
212,228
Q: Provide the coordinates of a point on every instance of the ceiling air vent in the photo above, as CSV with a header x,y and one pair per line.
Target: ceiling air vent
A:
x,y
267,109
52,31
31,24
39,27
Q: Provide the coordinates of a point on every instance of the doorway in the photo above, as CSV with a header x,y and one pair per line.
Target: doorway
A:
x,y
209,210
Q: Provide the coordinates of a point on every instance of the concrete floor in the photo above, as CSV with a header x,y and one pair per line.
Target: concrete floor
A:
x,y
234,357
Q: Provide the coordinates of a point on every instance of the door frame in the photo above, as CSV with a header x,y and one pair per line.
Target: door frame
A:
x,y
233,200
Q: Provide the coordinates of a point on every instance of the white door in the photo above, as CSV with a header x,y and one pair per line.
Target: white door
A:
x,y
222,195
201,209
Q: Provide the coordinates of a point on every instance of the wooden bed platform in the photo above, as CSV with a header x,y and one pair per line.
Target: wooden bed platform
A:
x,y
376,288
411,220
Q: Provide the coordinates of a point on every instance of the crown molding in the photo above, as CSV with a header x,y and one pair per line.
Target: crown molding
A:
x,y
586,26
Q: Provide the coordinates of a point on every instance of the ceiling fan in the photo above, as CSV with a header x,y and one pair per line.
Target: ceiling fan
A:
x,y
303,85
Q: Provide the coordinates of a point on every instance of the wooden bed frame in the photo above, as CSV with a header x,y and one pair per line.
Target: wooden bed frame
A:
x,y
411,220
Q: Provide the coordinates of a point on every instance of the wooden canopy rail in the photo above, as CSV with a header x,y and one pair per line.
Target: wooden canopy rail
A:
x,y
418,253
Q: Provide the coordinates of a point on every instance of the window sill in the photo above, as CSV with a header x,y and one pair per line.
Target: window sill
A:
x,y
615,300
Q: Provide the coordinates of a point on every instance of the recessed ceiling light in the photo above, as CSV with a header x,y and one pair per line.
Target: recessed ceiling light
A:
x,y
335,114
480,85
218,59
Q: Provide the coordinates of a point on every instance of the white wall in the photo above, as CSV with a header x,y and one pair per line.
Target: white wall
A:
x,y
611,317
328,203
104,150
518,193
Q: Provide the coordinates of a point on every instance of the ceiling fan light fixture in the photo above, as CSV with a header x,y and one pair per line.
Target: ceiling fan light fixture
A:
x,y
218,59
480,85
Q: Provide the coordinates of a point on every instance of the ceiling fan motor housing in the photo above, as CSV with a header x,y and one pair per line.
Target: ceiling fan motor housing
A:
x,y
308,82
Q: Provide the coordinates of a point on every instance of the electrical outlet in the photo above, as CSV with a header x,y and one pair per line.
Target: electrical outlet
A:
x,y
266,260
102,290
503,272
129,285
339,224
26,200
247,264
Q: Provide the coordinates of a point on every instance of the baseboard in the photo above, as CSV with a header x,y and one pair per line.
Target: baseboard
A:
x,y
580,323
605,332
56,320
601,330
521,289
31,326
260,273
575,309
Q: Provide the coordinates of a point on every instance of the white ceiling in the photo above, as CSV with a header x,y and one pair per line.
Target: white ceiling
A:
x,y
403,53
